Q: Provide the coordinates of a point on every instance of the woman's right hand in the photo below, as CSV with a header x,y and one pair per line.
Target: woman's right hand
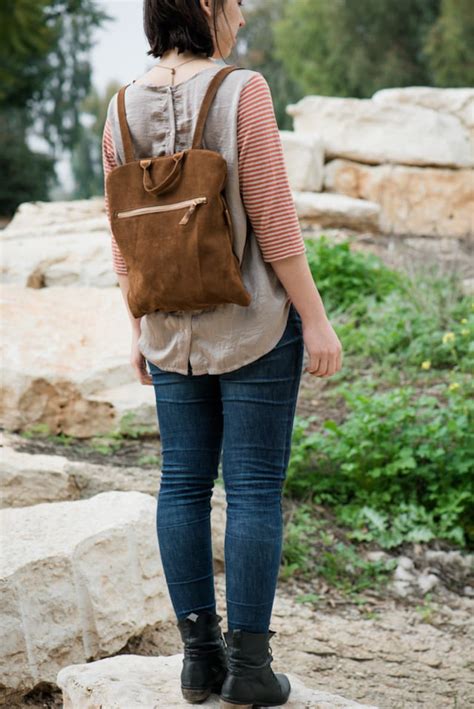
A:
x,y
323,347
138,361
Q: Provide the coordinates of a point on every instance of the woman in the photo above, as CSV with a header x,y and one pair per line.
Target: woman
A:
x,y
225,378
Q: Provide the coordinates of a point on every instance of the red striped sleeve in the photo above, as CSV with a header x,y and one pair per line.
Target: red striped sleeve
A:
x,y
264,184
109,161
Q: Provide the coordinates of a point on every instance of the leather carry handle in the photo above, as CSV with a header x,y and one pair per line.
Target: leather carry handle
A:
x,y
147,181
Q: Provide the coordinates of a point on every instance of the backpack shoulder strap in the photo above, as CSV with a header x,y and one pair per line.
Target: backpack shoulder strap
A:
x,y
124,129
214,84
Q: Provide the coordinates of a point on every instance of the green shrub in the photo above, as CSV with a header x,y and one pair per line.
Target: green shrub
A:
x,y
347,279
427,325
399,467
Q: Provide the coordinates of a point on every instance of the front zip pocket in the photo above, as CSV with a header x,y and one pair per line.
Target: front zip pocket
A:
x,y
191,203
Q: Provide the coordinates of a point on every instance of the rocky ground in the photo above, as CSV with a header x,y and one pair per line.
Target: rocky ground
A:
x,y
385,652
397,645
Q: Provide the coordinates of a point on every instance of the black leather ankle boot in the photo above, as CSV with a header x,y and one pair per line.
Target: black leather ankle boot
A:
x,y
205,661
250,680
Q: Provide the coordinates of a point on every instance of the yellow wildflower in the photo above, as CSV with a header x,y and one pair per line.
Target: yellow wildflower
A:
x,y
426,364
464,321
453,386
448,337
464,331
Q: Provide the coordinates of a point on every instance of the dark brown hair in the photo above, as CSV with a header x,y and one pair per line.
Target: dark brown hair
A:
x,y
180,24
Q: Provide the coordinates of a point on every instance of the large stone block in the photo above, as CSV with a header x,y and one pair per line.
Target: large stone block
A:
x,y
334,210
66,362
418,201
376,132
79,579
58,244
135,682
458,102
27,479
304,158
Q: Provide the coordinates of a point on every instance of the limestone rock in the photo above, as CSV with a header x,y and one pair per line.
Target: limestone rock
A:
x,y
136,682
419,201
55,217
375,132
304,158
58,243
78,580
67,365
27,479
458,102
333,210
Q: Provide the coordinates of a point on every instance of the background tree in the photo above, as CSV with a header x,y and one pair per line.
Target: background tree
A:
x,y
449,44
45,74
349,48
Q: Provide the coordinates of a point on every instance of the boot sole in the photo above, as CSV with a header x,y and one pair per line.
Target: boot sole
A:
x,y
195,696
225,704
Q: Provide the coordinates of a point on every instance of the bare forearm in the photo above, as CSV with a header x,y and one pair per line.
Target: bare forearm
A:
x,y
295,276
124,286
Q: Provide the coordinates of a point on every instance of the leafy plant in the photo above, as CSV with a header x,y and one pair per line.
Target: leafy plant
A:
x,y
399,467
349,281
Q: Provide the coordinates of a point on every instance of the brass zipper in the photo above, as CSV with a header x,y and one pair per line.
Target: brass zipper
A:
x,y
191,203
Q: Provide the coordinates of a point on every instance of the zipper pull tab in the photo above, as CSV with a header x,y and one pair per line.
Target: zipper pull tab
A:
x,y
186,216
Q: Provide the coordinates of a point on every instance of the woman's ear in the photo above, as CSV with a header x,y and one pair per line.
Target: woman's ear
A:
x,y
206,7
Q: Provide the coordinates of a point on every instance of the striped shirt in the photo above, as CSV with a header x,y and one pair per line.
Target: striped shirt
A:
x,y
264,185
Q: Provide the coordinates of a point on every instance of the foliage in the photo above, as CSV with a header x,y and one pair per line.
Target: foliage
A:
x,y
45,75
354,49
310,548
26,175
449,44
347,279
397,466
428,325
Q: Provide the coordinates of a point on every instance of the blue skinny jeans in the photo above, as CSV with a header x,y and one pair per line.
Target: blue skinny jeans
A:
x,y
248,414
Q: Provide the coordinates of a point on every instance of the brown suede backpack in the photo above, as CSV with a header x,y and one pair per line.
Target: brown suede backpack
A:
x,y
172,223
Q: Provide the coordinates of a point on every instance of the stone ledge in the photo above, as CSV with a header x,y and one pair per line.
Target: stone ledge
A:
x,y
137,682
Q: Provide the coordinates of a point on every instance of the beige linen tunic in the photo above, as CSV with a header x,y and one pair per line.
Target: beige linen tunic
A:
x,y
221,339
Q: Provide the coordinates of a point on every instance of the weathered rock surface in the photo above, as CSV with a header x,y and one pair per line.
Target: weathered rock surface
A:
x,y
27,479
135,682
78,580
66,363
419,201
304,159
58,244
335,210
376,132
56,218
458,102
